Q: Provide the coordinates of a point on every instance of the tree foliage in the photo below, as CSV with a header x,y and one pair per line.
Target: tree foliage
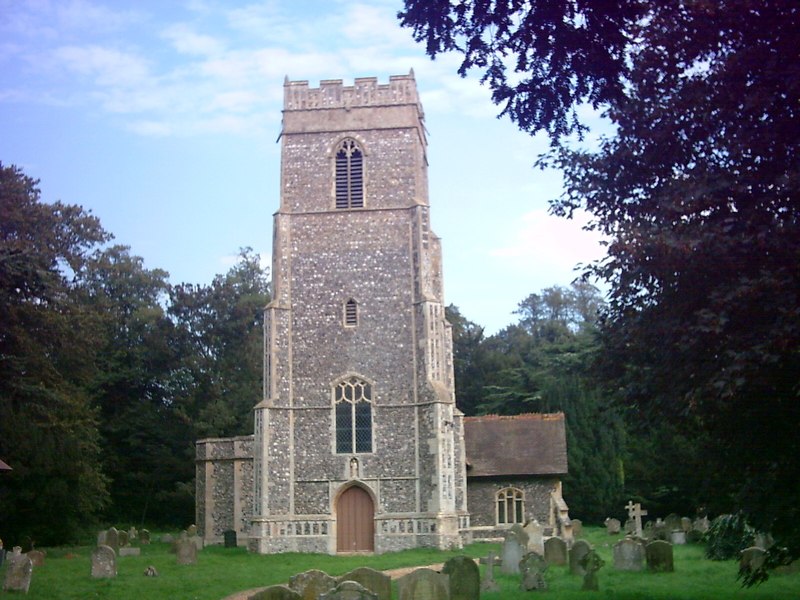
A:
x,y
697,190
109,374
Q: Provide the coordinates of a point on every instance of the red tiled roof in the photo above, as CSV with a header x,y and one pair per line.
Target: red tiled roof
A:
x,y
529,444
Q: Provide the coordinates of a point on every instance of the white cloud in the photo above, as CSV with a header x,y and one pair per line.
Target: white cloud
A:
x,y
186,41
107,66
555,243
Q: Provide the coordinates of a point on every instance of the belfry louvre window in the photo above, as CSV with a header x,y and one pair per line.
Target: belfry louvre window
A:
x,y
353,408
351,313
349,175
510,506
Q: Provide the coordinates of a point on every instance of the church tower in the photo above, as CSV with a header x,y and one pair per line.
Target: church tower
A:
x,y
358,442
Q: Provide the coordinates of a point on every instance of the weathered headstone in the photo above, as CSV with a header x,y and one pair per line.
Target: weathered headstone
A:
x,y
112,539
628,555
373,580
186,551
659,556
579,549
555,551
348,590
677,537
130,551
191,533
535,533
577,527
311,584
701,524
122,537
635,514
191,530
101,537
423,584
686,524
613,526
144,537
591,563
19,571
489,584
37,557
133,535
672,522
521,534
273,592
752,558
104,562
513,551
465,578
532,567
167,538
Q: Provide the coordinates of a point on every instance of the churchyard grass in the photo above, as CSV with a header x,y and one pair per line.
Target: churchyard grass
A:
x,y
223,571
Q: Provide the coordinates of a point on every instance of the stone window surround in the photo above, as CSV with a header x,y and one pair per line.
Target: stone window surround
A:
x,y
510,503
349,193
368,398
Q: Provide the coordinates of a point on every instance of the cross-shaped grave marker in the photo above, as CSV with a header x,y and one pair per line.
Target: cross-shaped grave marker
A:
x,y
636,513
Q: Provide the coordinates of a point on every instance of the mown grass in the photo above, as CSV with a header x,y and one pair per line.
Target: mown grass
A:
x,y
220,572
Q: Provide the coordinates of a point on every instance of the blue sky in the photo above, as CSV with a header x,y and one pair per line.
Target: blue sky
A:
x,y
162,117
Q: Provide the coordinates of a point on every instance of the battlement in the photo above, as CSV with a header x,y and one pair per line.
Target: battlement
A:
x,y
366,91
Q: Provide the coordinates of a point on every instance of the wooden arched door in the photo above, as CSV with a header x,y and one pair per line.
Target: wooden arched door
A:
x,y
355,521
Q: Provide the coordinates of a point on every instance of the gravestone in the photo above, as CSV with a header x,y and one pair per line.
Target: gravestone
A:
x,y
659,556
628,555
101,538
122,538
104,562
635,514
752,558
130,551
144,537
191,533
533,568
677,537
522,535
686,524
37,557
133,535
672,522
579,549
465,578
535,533
167,538
555,551
191,530
489,584
577,527
423,584
311,584
591,563
349,590
112,539
273,592
19,570
513,550
701,525
186,550
373,580
613,526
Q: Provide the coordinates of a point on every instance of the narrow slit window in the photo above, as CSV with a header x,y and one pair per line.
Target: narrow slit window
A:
x,y
349,175
351,313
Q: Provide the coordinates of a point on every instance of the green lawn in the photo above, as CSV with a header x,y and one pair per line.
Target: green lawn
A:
x,y
220,572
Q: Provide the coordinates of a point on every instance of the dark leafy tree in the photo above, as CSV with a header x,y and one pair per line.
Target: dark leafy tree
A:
x,y
48,347
697,189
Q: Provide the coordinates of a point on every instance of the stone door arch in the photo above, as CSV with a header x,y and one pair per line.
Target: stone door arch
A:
x,y
355,521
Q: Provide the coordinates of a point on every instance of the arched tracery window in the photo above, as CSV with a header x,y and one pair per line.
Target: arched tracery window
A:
x,y
349,175
510,506
353,413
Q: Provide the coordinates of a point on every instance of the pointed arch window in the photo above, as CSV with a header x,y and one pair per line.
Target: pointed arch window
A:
x,y
353,414
350,313
510,506
349,175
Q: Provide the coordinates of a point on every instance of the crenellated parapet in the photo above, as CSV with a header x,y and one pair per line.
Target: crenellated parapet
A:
x,y
366,91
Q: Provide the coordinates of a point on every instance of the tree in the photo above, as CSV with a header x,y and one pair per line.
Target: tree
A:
x,y
220,338
48,347
697,189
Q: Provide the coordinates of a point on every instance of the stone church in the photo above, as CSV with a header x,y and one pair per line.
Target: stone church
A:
x,y
358,444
